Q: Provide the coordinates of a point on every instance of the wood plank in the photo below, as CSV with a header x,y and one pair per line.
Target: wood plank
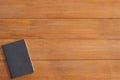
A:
x,y
60,28
60,9
55,49
69,70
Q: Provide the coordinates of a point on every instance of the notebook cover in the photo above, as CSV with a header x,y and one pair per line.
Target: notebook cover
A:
x,y
18,59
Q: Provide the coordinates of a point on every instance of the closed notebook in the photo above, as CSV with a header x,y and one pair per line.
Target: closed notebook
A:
x,y
18,58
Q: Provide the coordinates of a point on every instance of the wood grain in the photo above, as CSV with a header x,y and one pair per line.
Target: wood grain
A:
x,y
69,70
60,28
67,39
59,9
64,49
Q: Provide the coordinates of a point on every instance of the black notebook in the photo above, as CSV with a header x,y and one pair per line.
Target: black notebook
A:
x,y
18,58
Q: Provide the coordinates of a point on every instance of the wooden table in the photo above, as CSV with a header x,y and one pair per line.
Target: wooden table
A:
x,y
67,39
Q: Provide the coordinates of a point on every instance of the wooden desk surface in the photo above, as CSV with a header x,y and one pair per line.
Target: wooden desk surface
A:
x,y
67,39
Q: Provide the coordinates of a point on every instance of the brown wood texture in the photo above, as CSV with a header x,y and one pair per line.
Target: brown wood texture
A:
x,y
67,39
63,49
69,70
59,9
60,28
